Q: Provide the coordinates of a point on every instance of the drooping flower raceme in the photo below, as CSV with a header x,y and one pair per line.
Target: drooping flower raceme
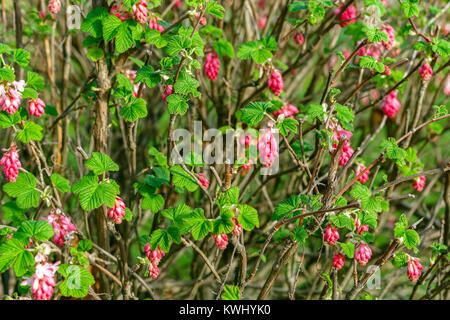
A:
x,y
338,261
140,11
331,235
447,86
299,38
365,176
117,212
276,83
54,6
268,148
360,228
153,23
426,72
203,180
43,280
36,107
131,75
237,230
11,163
10,97
221,241
154,257
289,111
414,269
212,65
347,150
391,36
168,90
347,17
363,253
391,105
419,183
62,226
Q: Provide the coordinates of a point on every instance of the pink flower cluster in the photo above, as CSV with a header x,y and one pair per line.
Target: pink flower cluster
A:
x,y
11,96
120,13
131,75
237,230
212,65
268,148
289,111
202,20
299,38
11,163
347,150
276,83
62,226
168,90
154,257
363,253
140,11
426,72
419,183
43,280
338,261
360,228
117,212
36,107
331,235
372,50
262,21
391,36
447,86
54,6
414,269
365,176
153,23
203,180
347,17
221,241
391,105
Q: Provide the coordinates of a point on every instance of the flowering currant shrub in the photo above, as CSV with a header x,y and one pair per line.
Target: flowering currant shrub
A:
x,y
218,149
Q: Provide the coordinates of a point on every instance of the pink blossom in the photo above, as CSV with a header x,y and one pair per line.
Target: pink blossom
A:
x,y
262,4
153,23
331,235
168,90
154,257
42,14
347,150
276,83
43,280
131,75
11,163
338,261
62,226
426,72
203,180
347,17
140,11
221,241
360,228
36,107
247,166
268,148
419,183
289,111
212,65
391,36
121,14
177,4
237,230
414,269
54,6
447,86
391,105
247,140
363,253
299,38
10,97
365,176
117,212
262,21
387,71
202,20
